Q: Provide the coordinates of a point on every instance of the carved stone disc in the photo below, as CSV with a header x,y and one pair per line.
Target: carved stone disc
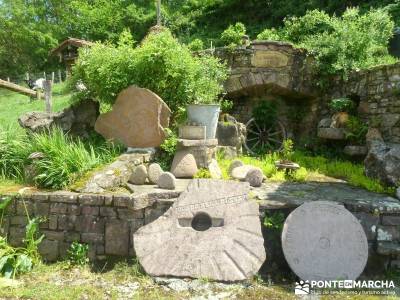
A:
x,y
323,241
212,231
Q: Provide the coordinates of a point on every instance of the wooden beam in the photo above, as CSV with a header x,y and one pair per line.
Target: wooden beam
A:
x,y
19,89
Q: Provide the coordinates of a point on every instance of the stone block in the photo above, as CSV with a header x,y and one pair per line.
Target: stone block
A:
x,y
122,200
192,132
129,214
64,197
92,238
135,225
49,250
100,250
90,223
72,236
40,197
53,235
91,199
108,200
63,248
58,208
388,233
117,238
67,222
90,210
19,220
53,222
16,235
24,206
153,213
108,212
331,133
369,222
42,209
74,209
391,220
388,248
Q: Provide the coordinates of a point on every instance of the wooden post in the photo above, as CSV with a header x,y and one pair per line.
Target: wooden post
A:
x,y
44,75
59,76
158,12
52,77
47,95
27,75
8,79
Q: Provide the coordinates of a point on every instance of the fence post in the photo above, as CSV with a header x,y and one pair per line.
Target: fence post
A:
x,y
27,75
47,95
8,79
59,76
52,77
44,75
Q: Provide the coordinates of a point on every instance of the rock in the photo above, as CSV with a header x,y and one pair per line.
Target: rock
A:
x,y
139,175
205,234
383,162
332,234
214,169
231,133
373,134
240,173
191,132
166,181
254,177
227,152
398,193
234,164
137,119
184,165
202,150
331,133
325,123
154,172
355,150
77,120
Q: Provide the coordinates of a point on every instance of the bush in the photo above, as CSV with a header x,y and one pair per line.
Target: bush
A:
x,y
78,254
356,130
341,44
203,173
196,45
160,64
342,105
232,36
168,149
269,35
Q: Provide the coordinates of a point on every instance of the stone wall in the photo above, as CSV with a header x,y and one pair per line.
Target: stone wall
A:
x,y
378,92
277,71
107,222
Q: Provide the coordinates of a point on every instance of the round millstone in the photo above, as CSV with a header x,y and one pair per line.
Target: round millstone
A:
x,y
323,241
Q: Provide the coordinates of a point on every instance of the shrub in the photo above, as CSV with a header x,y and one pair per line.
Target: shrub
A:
x,y
203,173
356,130
78,254
232,36
342,105
265,113
196,45
342,44
269,35
287,150
168,148
160,63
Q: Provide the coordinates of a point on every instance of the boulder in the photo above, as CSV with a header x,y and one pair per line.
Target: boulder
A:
x,y
398,193
325,123
137,119
184,165
234,164
154,172
254,177
331,133
166,181
355,150
240,173
383,162
214,169
231,133
227,152
339,120
77,120
373,134
139,175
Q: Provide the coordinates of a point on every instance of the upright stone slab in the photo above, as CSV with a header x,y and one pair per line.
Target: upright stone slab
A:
x,y
211,231
138,119
323,241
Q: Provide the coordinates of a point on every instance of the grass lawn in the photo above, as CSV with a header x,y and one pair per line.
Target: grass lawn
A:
x,y
125,281
13,105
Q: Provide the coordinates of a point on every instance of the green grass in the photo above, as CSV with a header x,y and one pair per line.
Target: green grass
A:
x,y
313,168
13,105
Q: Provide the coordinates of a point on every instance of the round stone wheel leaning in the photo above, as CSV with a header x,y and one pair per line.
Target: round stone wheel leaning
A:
x,y
323,241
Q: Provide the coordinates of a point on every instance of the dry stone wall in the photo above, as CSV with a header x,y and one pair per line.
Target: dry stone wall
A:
x,y
107,222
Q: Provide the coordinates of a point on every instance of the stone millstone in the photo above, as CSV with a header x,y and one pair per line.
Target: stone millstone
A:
x,y
211,231
137,119
323,241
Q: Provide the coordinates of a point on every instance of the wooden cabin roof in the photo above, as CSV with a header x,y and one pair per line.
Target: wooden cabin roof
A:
x,y
70,42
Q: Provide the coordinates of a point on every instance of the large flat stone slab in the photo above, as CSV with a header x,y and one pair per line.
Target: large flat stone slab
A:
x,y
137,119
211,231
323,241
